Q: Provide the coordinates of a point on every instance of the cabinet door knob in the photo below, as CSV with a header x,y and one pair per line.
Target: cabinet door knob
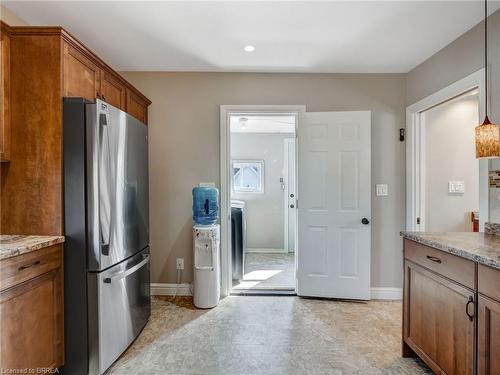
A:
x,y
97,94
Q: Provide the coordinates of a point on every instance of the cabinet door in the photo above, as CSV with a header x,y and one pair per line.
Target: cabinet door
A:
x,y
81,76
439,321
31,316
136,106
488,336
4,96
112,90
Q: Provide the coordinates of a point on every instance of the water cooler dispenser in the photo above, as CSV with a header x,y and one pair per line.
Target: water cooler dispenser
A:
x,y
206,246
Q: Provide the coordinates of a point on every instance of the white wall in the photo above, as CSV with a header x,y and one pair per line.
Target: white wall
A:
x,y
264,212
450,156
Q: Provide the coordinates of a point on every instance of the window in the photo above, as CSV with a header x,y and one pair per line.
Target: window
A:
x,y
248,176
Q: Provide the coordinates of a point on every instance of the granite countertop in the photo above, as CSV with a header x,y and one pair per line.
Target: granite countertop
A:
x,y
479,247
13,245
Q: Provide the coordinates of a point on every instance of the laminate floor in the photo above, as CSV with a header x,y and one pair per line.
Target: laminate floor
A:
x,y
250,335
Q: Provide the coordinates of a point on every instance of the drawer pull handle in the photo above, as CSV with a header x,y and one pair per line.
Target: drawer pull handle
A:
x,y
434,259
29,265
469,302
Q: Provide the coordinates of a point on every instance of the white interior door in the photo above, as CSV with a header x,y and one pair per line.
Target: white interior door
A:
x,y
334,187
290,194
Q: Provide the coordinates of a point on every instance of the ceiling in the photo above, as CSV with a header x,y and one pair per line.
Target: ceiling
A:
x,y
262,124
289,36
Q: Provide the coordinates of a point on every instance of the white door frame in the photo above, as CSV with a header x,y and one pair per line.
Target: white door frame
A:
x,y
415,146
225,175
286,202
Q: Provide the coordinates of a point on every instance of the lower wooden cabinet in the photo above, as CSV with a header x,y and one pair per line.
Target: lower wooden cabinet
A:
x,y
439,322
31,310
488,336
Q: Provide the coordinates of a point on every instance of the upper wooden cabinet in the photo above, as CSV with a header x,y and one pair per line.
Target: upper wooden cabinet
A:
x,y
46,65
81,76
137,106
85,76
4,93
113,91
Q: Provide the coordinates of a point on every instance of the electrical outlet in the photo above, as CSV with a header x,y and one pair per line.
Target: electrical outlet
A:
x,y
180,263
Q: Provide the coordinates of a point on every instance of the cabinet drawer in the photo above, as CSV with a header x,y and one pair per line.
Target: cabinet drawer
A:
x,y
488,282
24,267
450,266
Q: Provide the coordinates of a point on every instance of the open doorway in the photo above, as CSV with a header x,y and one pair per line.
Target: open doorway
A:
x,y
441,167
451,170
263,202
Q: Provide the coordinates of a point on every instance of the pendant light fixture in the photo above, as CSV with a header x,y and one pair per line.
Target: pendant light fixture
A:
x,y
487,134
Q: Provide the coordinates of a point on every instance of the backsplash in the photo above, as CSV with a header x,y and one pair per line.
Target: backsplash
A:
x,y
494,179
492,228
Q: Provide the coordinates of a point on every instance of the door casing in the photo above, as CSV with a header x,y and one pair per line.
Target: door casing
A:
x,y
225,175
415,146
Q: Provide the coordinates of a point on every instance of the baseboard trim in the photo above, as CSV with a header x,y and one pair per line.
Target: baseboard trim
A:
x,y
267,251
161,289
186,289
387,293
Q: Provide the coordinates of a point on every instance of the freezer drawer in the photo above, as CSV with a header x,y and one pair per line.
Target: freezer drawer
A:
x,y
119,307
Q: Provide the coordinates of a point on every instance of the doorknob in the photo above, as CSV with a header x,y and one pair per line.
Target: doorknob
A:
x,y
292,206
365,221
291,195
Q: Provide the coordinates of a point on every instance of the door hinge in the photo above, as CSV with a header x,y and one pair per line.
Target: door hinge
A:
x,y
296,204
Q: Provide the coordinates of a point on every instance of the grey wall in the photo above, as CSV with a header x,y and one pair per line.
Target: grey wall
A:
x,y
460,58
264,212
451,124
184,149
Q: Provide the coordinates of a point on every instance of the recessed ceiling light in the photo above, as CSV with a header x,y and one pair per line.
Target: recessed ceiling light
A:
x,y
249,48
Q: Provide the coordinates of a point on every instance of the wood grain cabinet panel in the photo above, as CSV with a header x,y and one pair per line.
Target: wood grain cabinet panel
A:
x,y
46,65
81,76
437,326
31,317
458,269
113,91
137,106
488,336
4,94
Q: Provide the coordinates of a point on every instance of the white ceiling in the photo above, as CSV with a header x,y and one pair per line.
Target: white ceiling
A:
x,y
289,36
262,124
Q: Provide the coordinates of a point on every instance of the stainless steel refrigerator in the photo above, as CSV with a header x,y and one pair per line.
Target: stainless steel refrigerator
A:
x,y
106,267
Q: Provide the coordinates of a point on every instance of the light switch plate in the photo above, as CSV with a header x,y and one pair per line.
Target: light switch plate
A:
x,y
456,187
382,190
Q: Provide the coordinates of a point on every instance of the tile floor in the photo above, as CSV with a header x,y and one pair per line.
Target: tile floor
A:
x,y
269,336
268,271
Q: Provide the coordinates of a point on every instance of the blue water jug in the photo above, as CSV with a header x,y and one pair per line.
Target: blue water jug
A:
x,y
205,205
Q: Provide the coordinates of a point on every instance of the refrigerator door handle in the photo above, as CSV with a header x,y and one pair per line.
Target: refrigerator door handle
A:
x,y
131,270
105,160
